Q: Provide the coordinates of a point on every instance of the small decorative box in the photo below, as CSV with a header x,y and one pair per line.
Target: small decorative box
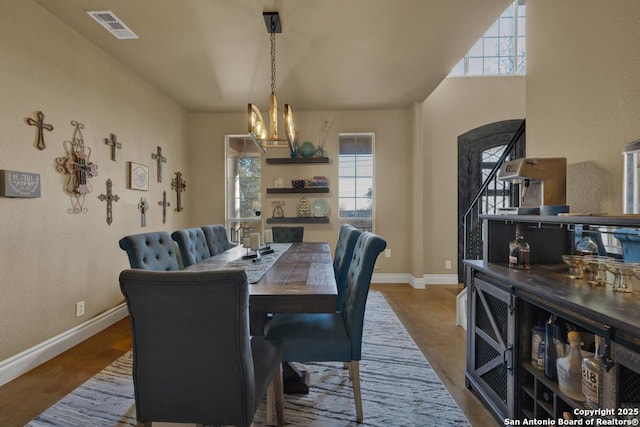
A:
x,y
297,183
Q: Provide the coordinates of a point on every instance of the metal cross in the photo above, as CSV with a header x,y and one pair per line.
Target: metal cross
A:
x,y
115,145
159,160
109,197
179,185
164,205
41,125
143,206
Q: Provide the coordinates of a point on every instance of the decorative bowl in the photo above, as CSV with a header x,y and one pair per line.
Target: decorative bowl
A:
x,y
622,274
298,183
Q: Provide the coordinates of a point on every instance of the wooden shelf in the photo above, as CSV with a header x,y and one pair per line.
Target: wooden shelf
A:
x,y
299,220
297,190
296,160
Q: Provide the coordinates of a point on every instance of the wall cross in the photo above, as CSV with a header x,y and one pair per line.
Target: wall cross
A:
x,y
164,205
143,206
110,198
159,160
42,126
179,185
115,146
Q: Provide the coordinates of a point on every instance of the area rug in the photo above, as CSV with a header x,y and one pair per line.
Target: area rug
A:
x,y
399,388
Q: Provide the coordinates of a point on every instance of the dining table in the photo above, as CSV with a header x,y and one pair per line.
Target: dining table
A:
x,y
299,280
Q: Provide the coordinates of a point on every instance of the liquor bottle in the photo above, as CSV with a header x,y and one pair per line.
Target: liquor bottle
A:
x,y
591,377
550,353
519,251
570,369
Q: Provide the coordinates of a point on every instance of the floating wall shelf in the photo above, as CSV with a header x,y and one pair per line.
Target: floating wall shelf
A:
x,y
297,190
299,220
296,160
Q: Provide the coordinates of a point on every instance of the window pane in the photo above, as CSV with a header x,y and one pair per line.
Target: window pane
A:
x,y
490,66
475,66
356,180
498,41
491,46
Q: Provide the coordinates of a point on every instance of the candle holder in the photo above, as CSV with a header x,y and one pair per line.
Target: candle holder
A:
x,y
252,243
267,237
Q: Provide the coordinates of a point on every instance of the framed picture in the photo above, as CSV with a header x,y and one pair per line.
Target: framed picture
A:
x,y
138,176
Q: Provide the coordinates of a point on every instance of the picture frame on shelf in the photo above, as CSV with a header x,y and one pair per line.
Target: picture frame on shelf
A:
x,y
138,176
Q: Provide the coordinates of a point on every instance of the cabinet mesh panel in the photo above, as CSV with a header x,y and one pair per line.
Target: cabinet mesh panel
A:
x,y
496,378
498,311
629,388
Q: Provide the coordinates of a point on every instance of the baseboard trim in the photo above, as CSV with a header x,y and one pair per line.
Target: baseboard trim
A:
x,y
17,365
441,279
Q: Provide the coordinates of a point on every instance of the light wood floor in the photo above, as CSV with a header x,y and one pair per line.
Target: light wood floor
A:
x,y
428,314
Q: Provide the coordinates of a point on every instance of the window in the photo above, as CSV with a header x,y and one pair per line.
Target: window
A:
x,y
243,195
501,50
355,164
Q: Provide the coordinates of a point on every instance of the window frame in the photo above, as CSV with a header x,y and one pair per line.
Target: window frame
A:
x,y
245,225
372,218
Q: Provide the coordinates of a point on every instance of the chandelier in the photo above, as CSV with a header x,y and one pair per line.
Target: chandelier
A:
x,y
258,131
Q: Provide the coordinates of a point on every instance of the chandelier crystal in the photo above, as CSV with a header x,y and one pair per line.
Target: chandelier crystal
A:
x,y
258,131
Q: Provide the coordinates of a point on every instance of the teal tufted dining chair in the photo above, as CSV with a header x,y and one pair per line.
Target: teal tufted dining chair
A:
x,y
192,244
334,337
347,239
193,358
287,234
151,251
216,237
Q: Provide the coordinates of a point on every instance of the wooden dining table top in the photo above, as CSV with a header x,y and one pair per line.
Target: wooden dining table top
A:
x,y
301,280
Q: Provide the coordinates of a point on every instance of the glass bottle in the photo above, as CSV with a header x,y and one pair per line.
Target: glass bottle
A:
x,y
570,369
592,377
550,353
586,247
537,344
519,251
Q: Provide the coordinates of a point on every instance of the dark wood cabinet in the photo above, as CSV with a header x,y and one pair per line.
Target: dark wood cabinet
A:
x,y
504,304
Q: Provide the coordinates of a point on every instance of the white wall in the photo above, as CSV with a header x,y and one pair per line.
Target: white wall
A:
x,y
50,259
455,107
583,96
392,128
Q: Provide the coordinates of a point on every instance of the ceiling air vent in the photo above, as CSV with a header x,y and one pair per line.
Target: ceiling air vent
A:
x,y
112,23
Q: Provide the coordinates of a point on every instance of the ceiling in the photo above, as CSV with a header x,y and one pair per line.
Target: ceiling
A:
x,y
213,55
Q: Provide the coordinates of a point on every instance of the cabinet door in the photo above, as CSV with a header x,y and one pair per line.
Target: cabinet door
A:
x,y
622,383
491,346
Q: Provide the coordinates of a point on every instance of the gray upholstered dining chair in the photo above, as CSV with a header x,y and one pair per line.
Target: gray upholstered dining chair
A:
x,y
287,234
342,258
192,244
193,358
216,238
151,251
334,337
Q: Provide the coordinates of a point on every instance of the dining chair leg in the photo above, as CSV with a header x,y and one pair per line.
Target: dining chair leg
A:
x,y
278,391
270,401
355,377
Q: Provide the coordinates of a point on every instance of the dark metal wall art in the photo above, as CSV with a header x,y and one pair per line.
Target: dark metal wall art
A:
x,y
115,146
179,185
157,156
110,198
78,167
164,205
42,126
143,206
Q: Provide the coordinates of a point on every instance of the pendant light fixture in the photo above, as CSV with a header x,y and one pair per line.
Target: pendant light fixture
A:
x,y
261,136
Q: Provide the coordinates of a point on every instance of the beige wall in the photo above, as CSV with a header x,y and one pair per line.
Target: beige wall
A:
x,y
393,139
50,259
583,92
455,107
